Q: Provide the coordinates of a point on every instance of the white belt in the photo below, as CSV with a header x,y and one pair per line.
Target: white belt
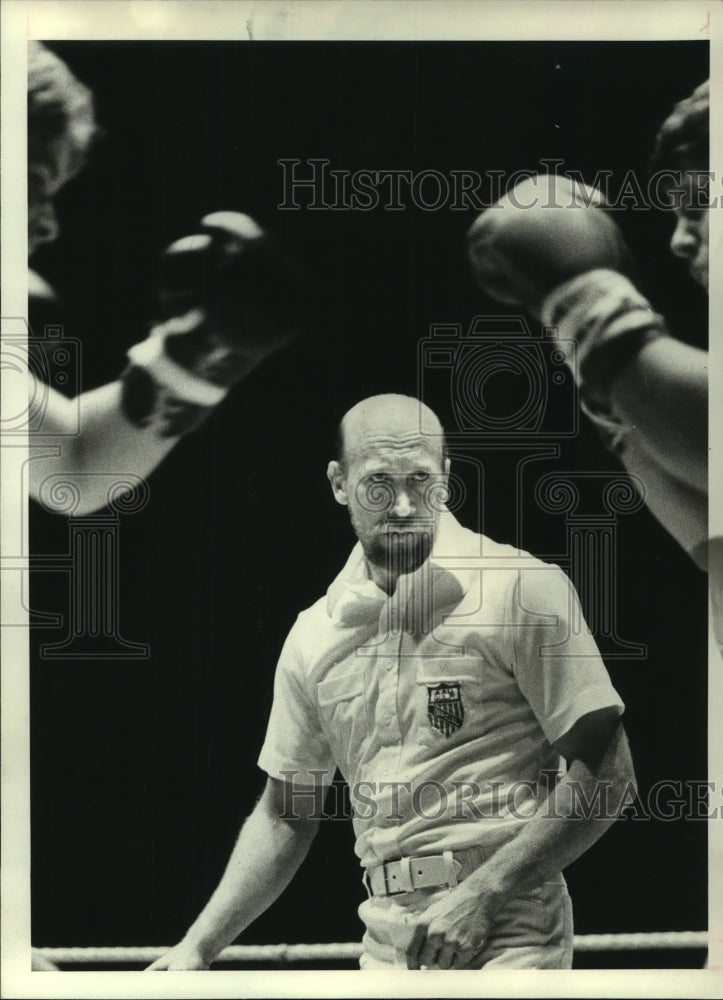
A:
x,y
429,871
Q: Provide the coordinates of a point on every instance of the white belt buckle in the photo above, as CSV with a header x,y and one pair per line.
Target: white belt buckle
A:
x,y
451,867
406,883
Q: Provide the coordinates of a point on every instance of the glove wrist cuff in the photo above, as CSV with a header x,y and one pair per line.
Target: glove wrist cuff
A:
x,y
151,356
607,318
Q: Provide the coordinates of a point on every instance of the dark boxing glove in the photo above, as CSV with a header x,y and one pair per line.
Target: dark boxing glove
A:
x,y
227,299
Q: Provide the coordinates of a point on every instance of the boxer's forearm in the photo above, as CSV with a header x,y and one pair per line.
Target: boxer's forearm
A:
x,y
266,856
560,831
634,378
92,436
681,509
663,394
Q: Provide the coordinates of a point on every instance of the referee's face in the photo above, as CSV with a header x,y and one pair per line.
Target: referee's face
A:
x,y
395,490
393,478
396,493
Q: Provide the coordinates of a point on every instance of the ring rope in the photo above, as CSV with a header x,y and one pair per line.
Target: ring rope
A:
x,y
282,953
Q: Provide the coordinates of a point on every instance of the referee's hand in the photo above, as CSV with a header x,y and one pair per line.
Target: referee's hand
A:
x,y
182,957
450,933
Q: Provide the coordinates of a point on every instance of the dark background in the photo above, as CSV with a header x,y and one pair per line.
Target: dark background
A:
x,y
142,771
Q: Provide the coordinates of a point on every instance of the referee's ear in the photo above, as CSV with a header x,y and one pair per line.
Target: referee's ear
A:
x,y
337,478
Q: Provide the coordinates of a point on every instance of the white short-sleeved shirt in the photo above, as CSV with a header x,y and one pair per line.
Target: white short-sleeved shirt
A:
x,y
440,704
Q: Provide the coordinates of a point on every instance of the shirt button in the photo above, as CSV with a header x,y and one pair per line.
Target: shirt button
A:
x,y
388,721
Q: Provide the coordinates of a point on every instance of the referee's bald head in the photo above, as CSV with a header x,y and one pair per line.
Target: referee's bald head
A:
x,y
388,414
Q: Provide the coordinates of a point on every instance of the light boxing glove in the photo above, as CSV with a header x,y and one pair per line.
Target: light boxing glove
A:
x,y
545,230
228,298
549,247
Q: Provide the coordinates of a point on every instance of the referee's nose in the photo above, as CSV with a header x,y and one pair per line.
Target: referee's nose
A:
x,y
403,505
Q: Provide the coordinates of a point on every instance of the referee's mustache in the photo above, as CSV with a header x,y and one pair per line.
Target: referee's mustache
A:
x,y
416,523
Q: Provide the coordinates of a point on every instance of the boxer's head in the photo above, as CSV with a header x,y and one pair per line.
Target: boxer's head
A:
x,y
61,126
391,472
682,155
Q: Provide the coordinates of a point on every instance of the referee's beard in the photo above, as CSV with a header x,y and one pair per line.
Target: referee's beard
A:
x,y
400,549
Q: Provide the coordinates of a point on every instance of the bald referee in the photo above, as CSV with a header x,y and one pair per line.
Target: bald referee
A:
x,y
427,674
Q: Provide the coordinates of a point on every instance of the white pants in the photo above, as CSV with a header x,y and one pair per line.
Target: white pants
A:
x,y
532,931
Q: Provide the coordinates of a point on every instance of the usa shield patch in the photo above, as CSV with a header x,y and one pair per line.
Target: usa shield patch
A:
x,y
445,710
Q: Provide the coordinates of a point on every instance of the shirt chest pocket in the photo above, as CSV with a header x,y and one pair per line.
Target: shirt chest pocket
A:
x,y
342,710
448,704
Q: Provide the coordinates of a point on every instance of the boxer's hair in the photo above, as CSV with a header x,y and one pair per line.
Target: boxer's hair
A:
x,y
58,103
683,141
